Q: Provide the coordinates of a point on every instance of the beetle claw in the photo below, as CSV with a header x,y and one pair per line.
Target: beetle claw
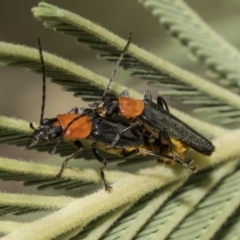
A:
x,y
58,175
189,161
108,188
193,169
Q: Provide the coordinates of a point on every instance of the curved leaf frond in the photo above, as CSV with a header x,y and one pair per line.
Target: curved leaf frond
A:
x,y
181,203
101,202
71,76
227,197
231,229
97,228
138,213
188,87
135,198
9,226
69,73
82,211
25,203
44,175
209,47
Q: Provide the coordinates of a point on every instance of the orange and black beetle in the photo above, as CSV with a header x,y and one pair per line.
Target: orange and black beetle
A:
x,y
155,119
98,132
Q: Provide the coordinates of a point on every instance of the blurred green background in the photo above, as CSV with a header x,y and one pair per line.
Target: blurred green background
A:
x,y
20,91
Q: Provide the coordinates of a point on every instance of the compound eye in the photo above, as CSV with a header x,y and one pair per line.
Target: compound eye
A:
x,y
45,121
42,134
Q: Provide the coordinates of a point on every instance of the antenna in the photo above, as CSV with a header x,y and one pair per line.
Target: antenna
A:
x,y
43,85
44,81
117,65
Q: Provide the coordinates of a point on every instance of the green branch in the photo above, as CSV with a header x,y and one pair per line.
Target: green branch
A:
x,y
217,54
173,212
143,63
81,211
44,174
85,82
213,211
21,203
9,226
231,228
75,214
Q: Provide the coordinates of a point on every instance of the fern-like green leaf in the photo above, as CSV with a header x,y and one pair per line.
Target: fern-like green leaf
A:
x,y
9,226
160,73
82,211
165,220
68,72
210,48
73,77
137,207
231,229
44,175
213,211
25,203
138,213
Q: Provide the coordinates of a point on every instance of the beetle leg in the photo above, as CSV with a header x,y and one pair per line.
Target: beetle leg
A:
x,y
130,154
124,93
118,136
138,151
73,110
153,146
31,126
147,95
112,109
162,103
160,100
56,145
80,148
104,162
176,158
151,139
93,105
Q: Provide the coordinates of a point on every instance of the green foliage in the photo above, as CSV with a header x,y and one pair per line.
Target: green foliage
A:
x,y
215,102
183,23
211,49
155,202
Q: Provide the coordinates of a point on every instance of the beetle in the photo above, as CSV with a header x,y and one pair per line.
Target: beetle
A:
x,y
96,130
74,126
99,133
154,118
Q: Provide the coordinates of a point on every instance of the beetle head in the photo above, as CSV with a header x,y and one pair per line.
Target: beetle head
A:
x,y
45,132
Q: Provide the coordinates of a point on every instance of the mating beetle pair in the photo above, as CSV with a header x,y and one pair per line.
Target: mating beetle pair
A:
x,y
97,131
87,125
157,123
151,129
